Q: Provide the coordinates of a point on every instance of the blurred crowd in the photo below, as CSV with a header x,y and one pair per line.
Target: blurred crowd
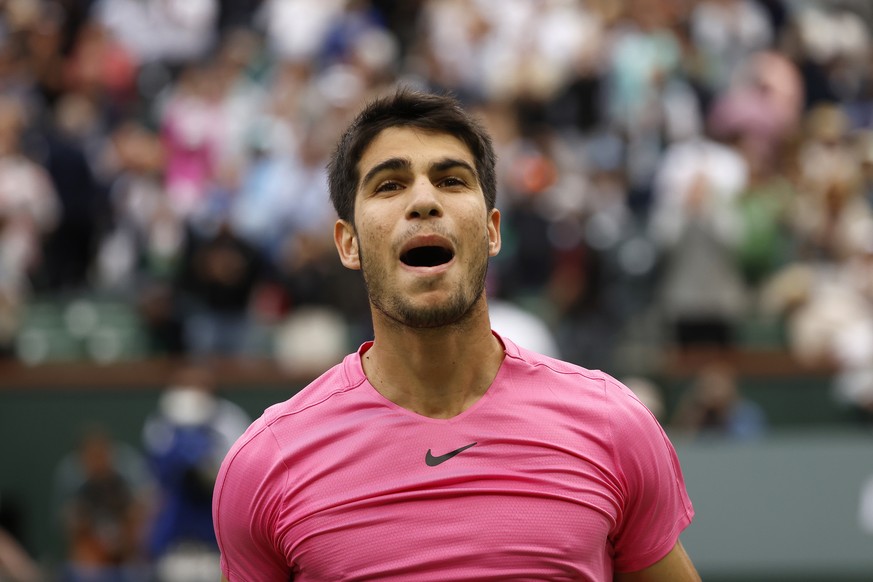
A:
x,y
144,513
672,172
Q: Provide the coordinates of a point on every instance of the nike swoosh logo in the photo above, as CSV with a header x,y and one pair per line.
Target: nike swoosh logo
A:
x,y
434,461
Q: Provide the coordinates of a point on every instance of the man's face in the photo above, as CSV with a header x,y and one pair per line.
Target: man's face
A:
x,y
422,234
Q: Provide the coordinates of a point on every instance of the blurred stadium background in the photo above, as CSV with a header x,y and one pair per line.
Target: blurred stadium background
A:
x,y
687,193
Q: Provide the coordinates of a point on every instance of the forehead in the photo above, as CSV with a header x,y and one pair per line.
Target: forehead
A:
x,y
416,145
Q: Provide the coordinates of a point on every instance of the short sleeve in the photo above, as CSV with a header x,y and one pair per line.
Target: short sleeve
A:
x,y
245,505
655,506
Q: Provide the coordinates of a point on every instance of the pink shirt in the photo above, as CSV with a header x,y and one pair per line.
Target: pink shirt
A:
x,y
556,473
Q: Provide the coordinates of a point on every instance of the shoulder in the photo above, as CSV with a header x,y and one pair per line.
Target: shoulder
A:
x,y
261,447
599,385
317,395
255,470
526,360
592,397
321,397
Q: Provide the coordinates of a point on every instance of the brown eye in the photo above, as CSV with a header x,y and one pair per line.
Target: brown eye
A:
x,y
452,182
388,187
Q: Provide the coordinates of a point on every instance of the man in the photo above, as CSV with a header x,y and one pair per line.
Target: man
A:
x,y
441,451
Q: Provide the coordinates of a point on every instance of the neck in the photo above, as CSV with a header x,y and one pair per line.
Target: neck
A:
x,y
437,372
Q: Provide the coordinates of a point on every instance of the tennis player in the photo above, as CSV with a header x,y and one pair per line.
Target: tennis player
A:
x,y
440,450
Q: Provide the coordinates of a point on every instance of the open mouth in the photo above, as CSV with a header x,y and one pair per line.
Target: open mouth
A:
x,y
427,256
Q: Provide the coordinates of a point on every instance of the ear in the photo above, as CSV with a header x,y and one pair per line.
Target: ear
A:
x,y
346,242
493,232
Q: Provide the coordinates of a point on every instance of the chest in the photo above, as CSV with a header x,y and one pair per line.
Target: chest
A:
x,y
501,501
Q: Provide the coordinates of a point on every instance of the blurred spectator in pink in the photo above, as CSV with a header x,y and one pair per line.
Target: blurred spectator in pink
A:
x,y
762,106
240,97
191,131
759,114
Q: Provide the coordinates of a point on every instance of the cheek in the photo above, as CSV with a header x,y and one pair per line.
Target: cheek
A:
x,y
372,233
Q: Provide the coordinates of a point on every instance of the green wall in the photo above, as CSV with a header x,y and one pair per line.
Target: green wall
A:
x,y
777,509
39,426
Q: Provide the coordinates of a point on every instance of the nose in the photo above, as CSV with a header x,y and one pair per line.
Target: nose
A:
x,y
424,201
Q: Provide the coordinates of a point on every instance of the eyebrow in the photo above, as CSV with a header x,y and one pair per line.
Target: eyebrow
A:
x,y
449,163
405,164
389,164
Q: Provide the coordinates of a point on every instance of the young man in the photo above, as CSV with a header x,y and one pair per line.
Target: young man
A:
x,y
441,451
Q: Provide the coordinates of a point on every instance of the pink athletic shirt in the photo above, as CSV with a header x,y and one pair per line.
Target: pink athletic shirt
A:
x,y
556,473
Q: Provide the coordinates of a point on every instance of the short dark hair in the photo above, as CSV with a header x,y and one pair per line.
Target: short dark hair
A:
x,y
441,113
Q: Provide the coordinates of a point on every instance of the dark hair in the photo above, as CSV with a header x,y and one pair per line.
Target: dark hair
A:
x,y
407,108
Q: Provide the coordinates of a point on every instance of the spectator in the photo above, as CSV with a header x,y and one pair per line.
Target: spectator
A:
x,y
218,277
239,97
644,57
46,51
185,439
29,207
764,206
191,131
762,106
831,209
72,246
832,50
101,68
725,32
695,224
103,494
649,98
176,33
310,275
296,29
146,234
714,407
598,108
281,195
29,213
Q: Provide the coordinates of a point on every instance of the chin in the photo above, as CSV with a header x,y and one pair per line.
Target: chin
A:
x,y
432,314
